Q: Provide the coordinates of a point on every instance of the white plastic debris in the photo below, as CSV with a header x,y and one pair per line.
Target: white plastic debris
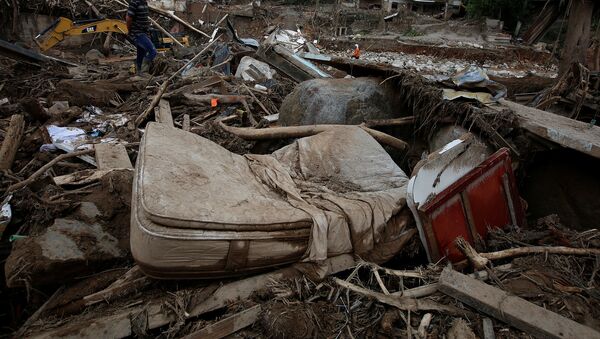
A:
x,y
5,214
70,139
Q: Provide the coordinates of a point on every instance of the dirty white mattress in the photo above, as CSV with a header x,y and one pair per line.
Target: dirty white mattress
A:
x,y
199,210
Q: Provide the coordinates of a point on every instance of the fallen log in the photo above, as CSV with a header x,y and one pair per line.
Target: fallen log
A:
x,y
165,84
510,309
12,141
304,131
46,167
402,303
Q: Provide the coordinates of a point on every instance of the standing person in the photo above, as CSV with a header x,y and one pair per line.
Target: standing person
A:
x,y
138,25
356,52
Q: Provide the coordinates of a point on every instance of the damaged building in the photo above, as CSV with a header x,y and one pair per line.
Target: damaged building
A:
x,y
320,169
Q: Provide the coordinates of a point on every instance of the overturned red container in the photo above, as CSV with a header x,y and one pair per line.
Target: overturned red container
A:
x,y
484,198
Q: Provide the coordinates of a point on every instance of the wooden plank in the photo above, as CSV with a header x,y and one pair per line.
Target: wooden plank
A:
x,y
228,325
119,325
186,122
84,177
164,115
109,156
564,131
510,309
12,141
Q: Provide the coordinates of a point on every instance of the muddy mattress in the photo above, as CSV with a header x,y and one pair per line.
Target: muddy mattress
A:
x,y
200,211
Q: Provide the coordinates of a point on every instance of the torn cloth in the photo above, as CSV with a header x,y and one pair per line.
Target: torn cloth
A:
x,y
344,180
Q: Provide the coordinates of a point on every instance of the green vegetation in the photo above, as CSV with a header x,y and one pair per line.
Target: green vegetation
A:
x,y
510,11
412,32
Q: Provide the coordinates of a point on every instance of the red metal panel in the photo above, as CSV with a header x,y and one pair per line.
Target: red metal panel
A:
x,y
448,223
486,204
489,207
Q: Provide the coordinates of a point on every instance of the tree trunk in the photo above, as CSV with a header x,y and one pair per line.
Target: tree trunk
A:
x,y
382,18
577,39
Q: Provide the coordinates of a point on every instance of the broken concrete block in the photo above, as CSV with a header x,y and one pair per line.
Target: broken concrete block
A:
x,y
251,69
67,249
337,101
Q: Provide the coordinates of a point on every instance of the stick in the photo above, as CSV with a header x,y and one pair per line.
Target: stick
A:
x,y
426,290
12,141
398,273
256,99
47,167
304,131
390,122
165,84
186,123
380,282
402,303
479,259
425,321
165,32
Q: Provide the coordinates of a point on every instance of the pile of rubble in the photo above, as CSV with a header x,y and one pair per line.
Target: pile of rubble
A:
x,y
272,188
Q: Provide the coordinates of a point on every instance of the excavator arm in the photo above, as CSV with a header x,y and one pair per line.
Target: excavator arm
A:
x,y
64,27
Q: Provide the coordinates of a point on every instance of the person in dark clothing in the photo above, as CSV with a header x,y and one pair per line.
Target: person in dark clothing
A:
x,y
138,24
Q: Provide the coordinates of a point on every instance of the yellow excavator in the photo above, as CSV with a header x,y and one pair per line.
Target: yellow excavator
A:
x,y
64,27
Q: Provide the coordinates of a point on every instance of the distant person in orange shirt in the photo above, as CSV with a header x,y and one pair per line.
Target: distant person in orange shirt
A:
x,y
356,53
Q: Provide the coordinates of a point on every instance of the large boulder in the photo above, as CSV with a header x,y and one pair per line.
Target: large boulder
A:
x,y
337,101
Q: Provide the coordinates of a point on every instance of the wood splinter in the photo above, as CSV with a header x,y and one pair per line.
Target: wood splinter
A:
x,y
12,141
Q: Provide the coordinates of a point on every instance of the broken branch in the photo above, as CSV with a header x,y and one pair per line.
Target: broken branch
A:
x,y
46,167
402,303
480,260
165,84
304,131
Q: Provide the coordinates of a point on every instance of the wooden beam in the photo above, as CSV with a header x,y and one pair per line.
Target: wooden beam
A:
x,y
564,131
119,324
163,113
12,141
228,325
510,309
112,156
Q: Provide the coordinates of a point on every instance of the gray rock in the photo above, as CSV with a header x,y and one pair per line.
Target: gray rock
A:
x,y
338,101
89,210
93,55
67,249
